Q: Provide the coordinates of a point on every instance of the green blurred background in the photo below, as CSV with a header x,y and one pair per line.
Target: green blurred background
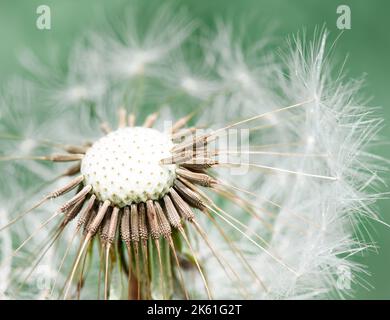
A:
x,y
367,44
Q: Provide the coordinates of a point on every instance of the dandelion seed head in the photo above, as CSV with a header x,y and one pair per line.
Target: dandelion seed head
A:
x,y
310,141
244,78
301,220
76,94
132,63
27,145
124,166
190,85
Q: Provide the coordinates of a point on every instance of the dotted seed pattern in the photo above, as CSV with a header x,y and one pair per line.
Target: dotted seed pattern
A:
x,y
134,187
124,166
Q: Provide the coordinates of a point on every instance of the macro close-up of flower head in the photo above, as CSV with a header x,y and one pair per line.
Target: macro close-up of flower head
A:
x,y
162,156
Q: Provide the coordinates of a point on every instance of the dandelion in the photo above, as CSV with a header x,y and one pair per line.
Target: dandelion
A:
x,y
249,183
136,56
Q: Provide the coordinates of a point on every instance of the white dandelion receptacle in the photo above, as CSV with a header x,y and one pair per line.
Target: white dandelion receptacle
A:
x,y
124,166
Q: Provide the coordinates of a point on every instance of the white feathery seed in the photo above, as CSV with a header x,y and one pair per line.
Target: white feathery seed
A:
x,y
308,228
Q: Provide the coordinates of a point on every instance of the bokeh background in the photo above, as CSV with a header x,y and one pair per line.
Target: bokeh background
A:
x,y
367,45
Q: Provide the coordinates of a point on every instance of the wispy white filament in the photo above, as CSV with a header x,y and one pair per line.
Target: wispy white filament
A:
x,y
318,178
